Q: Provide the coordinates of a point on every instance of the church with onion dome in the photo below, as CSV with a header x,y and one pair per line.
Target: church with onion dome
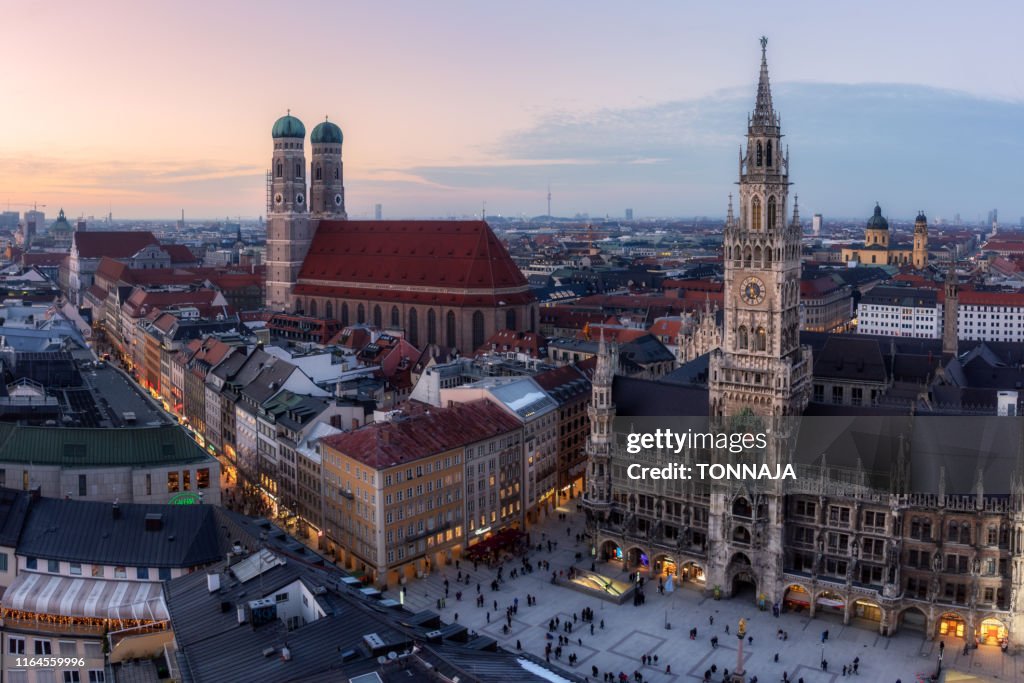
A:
x,y
442,285
878,249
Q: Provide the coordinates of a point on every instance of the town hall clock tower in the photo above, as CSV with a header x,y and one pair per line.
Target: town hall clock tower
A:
x,y
760,378
761,367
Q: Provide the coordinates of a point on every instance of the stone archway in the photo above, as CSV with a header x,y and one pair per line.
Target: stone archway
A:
x,y
828,602
610,550
796,598
866,614
992,630
741,577
951,625
693,573
664,564
636,558
913,619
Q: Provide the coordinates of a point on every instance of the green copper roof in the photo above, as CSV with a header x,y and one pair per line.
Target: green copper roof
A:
x,y
326,132
96,447
878,221
288,127
61,224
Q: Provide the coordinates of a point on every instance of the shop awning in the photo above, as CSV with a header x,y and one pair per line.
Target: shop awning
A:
x,y
70,596
829,602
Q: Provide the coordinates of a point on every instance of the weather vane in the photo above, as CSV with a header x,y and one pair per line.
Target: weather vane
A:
x,y
764,43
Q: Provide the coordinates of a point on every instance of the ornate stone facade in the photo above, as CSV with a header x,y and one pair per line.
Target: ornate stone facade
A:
x,y
888,559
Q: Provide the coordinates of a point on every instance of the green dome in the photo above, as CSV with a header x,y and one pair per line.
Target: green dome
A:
x,y
288,127
326,132
61,224
878,221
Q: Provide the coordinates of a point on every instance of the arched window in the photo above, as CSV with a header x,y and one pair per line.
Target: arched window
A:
x,y
533,319
757,256
761,341
328,310
755,213
361,314
747,256
378,316
965,533
759,152
771,213
768,256
769,154
312,308
318,175
335,172
280,170
954,532
414,325
478,329
449,325
396,321
431,327
741,337
510,319
298,170
344,313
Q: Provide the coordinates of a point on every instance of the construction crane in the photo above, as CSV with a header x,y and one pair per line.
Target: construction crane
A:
x,y
34,205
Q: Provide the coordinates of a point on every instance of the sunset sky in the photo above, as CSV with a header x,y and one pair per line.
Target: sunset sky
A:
x,y
148,108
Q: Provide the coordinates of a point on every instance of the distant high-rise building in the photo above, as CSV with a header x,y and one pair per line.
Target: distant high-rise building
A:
x,y
81,226
181,221
993,216
629,214
35,218
9,220
816,224
378,211
956,219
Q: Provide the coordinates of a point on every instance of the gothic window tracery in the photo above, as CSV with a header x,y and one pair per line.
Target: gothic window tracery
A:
x,y
755,213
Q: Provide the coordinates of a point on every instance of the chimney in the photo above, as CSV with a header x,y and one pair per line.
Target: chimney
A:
x,y
241,614
116,510
213,582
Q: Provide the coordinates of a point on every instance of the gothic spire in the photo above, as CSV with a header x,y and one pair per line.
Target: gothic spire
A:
x,y
764,114
728,217
796,210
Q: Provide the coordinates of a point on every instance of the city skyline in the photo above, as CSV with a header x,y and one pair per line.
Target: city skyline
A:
x,y
631,125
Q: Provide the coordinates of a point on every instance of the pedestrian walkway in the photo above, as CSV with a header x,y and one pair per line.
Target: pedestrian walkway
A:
x,y
631,633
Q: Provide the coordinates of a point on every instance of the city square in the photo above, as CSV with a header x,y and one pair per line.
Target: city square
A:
x,y
630,632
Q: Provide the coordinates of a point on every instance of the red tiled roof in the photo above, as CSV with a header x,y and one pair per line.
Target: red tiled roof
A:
x,y
43,258
623,335
179,253
142,302
510,340
387,444
112,243
450,255
666,327
693,285
819,286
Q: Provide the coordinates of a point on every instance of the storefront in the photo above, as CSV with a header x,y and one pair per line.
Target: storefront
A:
x,y
866,610
952,624
796,598
991,632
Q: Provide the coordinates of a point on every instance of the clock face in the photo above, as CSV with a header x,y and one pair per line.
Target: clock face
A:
x,y
278,198
337,200
752,291
299,199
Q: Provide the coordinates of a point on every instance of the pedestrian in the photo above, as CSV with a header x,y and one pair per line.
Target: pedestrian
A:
x,y
456,616
602,624
776,657
519,646
750,640
488,617
844,669
711,620
727,629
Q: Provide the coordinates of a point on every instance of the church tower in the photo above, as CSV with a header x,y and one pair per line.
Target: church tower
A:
x,y
289,230
326,176
920,242
761,374
951,311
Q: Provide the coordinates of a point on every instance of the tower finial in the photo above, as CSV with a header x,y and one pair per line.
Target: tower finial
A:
x,y
796,209
289,111
764,114
728,218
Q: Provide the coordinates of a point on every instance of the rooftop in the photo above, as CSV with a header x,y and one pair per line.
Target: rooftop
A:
x,y
388,444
